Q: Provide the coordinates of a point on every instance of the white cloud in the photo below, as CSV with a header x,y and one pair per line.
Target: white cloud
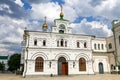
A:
x,y
6,8
76,8
104,8
51,10
69,13
4,51
91,28
38,1
19,2
10,34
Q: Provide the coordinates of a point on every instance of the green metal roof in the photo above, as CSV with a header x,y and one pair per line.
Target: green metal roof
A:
x,y
3,57
62,19
115,20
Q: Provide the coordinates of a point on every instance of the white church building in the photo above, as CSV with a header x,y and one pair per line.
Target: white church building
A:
x,y
60,52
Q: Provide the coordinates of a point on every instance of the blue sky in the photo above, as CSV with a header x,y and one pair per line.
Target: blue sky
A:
x,y
88,17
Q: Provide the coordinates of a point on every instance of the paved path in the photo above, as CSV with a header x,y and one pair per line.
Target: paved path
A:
x,y
77,77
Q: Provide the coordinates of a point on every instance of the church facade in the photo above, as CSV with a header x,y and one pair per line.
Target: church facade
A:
x,y
60,52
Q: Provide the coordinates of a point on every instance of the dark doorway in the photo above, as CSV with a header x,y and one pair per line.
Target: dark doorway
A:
x,y
62,66
101,69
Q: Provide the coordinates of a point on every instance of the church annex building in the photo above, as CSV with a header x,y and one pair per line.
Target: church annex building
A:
x,y
60,52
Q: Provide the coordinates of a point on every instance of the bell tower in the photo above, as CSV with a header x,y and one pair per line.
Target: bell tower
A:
x,y
61,25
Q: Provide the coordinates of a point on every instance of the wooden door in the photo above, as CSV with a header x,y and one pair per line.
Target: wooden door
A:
x,y
82,64
64,68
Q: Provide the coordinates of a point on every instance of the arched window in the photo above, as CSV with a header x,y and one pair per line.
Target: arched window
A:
x,y
62,42
94,46
82,64
44,42
39,64
110,46
102,46
61,28
99,46
85,45
78,45
65,43
35,42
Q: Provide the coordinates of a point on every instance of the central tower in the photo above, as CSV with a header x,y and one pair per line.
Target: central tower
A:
x,y
61,25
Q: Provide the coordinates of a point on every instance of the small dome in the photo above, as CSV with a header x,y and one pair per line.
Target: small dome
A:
x,y
61,14
44,26
24,35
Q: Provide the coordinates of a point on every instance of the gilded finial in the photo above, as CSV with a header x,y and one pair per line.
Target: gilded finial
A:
x,y
61,14
25,33
44,25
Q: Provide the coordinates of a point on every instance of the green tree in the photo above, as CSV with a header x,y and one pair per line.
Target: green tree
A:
x,y
14,62
2,66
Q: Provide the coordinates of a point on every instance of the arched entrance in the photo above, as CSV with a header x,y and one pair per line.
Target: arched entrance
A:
x,y
62,66
101,69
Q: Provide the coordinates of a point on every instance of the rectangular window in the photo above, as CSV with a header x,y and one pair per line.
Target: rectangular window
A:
x,y
35,42
94,46
65,43
85,45
110,45
99,46
44,42
61,43
57,43
102,46
78,45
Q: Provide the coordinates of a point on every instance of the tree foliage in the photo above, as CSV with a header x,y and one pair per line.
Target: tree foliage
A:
x,y
14,62
2,66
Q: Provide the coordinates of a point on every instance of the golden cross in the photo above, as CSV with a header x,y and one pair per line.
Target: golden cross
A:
x,y
61,7
45,19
